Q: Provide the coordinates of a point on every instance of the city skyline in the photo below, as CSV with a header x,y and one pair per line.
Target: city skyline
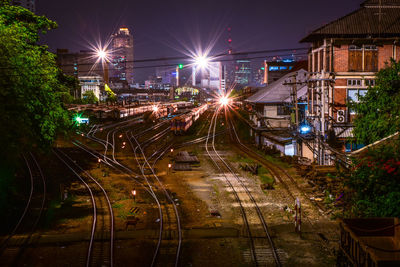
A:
x,y
173,28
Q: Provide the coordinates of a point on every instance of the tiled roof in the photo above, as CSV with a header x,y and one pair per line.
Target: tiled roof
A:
x,y
369,21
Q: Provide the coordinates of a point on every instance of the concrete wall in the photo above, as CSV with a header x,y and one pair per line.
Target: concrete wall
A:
x,y
306,152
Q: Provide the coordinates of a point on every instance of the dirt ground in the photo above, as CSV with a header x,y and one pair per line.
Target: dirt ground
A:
x,y
208,240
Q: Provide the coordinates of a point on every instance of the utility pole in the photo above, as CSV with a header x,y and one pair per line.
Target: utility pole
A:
x,y
265,72
106,75
296,106
177,76
194,75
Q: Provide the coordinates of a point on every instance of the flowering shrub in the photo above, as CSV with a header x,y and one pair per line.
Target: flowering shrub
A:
x,y
374,182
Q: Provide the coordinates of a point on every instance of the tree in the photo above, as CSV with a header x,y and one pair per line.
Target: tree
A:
x,y
111,96
373,183
89,98
378,111
31,108
70,83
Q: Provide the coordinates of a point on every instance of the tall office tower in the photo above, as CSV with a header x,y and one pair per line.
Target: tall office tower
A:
x,y
243,73
122,55
28,4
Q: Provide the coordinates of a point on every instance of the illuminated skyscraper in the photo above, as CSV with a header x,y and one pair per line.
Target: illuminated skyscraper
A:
x,y
28,4
122,56
243,73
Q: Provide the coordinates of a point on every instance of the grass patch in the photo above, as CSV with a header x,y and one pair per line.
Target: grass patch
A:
x,y
57,211
264,175
122,212
216,190
117,206
277,161
239,158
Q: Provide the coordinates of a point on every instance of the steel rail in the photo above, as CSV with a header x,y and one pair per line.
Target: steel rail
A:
x,y
94,221
28,206
243,212
178,250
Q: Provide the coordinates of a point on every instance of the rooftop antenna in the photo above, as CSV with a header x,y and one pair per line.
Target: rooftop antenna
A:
x,y
230,51
380,17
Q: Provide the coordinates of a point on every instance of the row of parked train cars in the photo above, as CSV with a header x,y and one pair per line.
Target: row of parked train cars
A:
x,y
113,112
182,123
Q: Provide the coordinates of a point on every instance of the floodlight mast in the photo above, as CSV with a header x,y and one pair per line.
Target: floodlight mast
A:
x,y
102,55
200,62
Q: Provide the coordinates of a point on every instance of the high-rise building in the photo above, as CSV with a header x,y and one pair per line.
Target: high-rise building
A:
x,y
214,77
122,55
82,65
77,64
28,4
243,73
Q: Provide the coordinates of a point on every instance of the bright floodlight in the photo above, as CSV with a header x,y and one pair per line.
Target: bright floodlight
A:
x,y
102,54
224,101
155,108
201,61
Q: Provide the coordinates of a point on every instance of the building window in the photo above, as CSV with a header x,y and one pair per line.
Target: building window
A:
x,y
370,82
354,82
283,110
371,58
363,58
353,95
355,58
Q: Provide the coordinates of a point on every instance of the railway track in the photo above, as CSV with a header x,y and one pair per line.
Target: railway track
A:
x,y
101,242
14,245
111,141
142,162
279,174
246,201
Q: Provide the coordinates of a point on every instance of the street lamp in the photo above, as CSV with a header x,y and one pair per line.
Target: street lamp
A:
x,y
172,150
169,167
134,194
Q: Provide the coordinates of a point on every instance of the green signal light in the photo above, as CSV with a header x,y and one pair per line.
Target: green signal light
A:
x,y
180,66
79,120
263,68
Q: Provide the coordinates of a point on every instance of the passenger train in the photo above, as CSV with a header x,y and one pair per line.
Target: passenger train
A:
x,y
182,123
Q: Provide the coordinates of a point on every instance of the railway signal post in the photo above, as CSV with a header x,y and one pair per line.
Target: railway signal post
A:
x,y
134,195
169,167
297,217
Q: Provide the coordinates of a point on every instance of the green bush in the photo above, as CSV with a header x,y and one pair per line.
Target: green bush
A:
x,y
374,182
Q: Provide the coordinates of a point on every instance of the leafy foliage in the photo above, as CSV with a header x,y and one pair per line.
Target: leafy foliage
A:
x,y
30,96
378,111
89,98
374,182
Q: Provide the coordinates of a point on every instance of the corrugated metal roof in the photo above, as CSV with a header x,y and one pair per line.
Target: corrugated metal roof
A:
x,y
278,92
382,2
343,132
371,20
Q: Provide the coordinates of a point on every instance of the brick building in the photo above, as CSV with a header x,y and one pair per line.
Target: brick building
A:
x,y
344,57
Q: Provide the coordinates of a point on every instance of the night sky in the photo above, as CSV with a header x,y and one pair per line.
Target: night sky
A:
x,y
170,27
